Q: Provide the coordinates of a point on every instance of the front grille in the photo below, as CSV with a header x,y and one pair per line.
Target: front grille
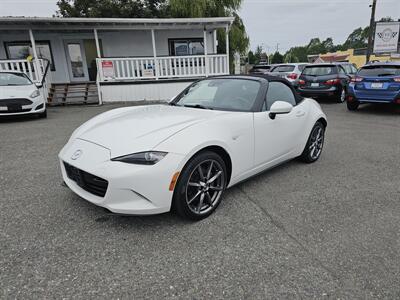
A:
x,y
15,101
14,111
88,182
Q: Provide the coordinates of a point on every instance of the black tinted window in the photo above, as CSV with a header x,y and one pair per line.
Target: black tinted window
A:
x,y
319,70
286,68
379,71
278,91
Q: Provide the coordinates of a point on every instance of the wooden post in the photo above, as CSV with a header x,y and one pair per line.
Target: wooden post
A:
x,y
205,51
35,56
227,48
153,41
96,38
215,41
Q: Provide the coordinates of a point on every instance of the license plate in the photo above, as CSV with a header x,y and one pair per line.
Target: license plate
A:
x,y
314,84
14,108
376,85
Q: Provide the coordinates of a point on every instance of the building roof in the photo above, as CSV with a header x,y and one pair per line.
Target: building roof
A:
x,y
21,23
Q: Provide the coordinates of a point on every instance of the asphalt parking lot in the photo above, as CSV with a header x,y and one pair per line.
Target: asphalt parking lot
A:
x,y
329,229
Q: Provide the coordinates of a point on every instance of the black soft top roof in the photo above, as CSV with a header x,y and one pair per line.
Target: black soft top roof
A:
x,y
267,77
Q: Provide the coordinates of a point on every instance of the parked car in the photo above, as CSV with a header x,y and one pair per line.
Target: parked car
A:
x,y
326,80
290,72
375,83
260,69
19,95
216,133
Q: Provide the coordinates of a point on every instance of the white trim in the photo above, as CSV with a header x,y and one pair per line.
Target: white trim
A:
x,y
35,56
96,38
227,47
205,51
215,40
153,42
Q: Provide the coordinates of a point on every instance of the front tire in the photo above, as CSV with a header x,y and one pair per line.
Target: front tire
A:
x,y
200,186
315,143
43,115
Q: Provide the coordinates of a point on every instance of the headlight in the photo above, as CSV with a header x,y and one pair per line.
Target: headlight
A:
x,y
142,158
35,94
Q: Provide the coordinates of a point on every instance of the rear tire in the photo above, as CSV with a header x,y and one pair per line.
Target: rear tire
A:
x,y
341,97
200,186
352,106
312,150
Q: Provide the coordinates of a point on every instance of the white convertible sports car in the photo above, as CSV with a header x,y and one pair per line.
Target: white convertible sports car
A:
x,y
219,131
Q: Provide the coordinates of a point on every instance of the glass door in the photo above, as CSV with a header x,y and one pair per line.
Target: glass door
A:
x,y
77,66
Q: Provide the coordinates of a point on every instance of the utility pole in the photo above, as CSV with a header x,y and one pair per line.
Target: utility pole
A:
x,y
371,30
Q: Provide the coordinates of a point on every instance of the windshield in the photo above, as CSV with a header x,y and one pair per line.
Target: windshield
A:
x,y
286,68
14,79
379,71
222,94
319,70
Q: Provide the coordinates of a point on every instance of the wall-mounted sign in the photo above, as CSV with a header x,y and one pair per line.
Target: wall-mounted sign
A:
x,y
386,37
108,68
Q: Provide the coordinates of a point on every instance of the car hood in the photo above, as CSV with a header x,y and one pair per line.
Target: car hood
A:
x,y
16,91
142,128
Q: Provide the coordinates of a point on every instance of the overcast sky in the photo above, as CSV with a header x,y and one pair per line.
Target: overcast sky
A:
x,y
268,22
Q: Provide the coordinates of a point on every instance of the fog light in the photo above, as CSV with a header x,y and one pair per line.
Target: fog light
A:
x,y
350,98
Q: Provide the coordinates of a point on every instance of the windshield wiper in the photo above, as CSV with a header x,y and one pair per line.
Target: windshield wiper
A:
x,y
197,106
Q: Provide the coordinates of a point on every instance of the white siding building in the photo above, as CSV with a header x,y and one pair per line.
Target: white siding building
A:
x,y
125,59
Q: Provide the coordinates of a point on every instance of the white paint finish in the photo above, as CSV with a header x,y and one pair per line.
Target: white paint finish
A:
x,y
181,132
138,92
96,38
22,91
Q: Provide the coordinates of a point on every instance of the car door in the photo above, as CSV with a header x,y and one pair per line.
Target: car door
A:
x,y
277,139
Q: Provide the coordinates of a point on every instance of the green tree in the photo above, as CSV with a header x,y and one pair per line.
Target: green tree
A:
x,y
112,8
258,53
277,58
251,57
238,39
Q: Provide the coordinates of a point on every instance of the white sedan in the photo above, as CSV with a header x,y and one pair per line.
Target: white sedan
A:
x,y
20,96
218,132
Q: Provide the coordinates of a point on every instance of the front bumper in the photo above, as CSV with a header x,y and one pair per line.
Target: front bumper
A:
x,y
132,189
38,105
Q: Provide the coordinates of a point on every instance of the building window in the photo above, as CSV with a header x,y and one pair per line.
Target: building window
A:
x,y
21,50
191,46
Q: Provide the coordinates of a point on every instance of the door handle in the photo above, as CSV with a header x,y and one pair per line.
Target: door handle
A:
x,y
300,113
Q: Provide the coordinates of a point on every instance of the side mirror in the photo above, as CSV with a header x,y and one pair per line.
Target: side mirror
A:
x,y
279,108
38,85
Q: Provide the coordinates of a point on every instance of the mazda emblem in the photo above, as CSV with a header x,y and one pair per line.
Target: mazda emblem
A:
x,y
77,154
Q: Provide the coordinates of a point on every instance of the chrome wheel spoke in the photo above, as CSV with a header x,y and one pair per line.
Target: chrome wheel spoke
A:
x,y
201,172
212,179
216,188
209,198
194,197
209,170
200,202
195,184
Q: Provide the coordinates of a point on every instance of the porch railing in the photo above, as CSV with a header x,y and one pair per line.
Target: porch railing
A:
x,y
114,69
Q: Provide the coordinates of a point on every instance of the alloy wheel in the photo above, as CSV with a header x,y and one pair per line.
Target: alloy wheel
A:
x,y
317,142
205,186
342,95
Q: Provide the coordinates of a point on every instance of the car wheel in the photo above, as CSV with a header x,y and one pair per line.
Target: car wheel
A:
x,y
353,105
43,115
315,143
200,186
341,97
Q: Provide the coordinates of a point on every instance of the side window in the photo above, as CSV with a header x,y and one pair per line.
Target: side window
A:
x,y
278,91
342,71
301,67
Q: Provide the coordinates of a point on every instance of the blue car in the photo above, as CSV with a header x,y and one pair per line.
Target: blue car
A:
x,y
375,83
